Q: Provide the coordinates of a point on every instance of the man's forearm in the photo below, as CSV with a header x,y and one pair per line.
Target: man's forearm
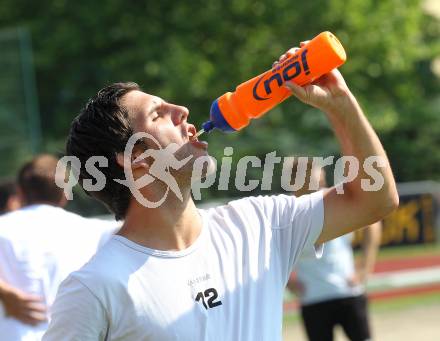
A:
x,y
357,138
355,207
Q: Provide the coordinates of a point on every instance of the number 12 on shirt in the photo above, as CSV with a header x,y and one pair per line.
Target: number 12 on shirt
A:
x,y
211,296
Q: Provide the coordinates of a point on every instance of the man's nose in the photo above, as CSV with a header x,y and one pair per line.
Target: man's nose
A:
x,y
178,114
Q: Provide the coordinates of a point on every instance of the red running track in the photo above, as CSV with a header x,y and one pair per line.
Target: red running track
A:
x,y
408,263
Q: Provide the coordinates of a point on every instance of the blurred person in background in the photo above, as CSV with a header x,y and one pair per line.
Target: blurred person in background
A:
x,y
9,200
40,244
174,272
331,289
16,303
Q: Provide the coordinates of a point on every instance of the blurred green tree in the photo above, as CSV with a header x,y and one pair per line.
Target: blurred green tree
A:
x,y
190,52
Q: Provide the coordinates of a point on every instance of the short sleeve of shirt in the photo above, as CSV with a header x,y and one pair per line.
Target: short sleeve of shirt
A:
x,y
77,315
294,224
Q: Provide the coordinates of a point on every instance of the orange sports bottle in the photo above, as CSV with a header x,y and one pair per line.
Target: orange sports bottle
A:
x,y
234,110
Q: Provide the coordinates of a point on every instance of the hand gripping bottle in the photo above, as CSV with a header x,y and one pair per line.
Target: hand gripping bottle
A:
x,y
234,110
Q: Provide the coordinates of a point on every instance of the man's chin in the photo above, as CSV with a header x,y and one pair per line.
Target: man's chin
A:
x,y
198,168
199,153
189,151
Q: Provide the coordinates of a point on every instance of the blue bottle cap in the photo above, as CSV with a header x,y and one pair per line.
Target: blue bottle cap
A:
x,y
217,120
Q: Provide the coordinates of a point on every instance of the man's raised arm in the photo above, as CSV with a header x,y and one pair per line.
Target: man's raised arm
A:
x,y
355,207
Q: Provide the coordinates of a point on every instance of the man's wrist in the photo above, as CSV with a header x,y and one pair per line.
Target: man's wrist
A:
x,y
3,292
344,105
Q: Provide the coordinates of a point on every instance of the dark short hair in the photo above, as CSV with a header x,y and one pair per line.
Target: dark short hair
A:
x,y
7,189
36,180
103,128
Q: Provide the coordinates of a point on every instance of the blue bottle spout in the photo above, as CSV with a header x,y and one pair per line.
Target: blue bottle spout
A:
x,y
208,126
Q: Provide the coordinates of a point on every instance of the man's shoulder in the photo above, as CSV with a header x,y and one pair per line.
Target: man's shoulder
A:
x,y
252,205
251,211
11,224
106,265
247,201
278,210
33,215
231,207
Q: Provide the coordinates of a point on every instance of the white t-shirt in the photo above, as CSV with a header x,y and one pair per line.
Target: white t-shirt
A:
x,y
228,285
328,278
39,246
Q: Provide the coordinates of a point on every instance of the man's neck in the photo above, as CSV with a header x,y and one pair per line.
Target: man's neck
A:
x,y
174,225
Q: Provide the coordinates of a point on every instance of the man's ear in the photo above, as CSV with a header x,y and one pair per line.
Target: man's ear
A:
x,y
120,159
142,163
